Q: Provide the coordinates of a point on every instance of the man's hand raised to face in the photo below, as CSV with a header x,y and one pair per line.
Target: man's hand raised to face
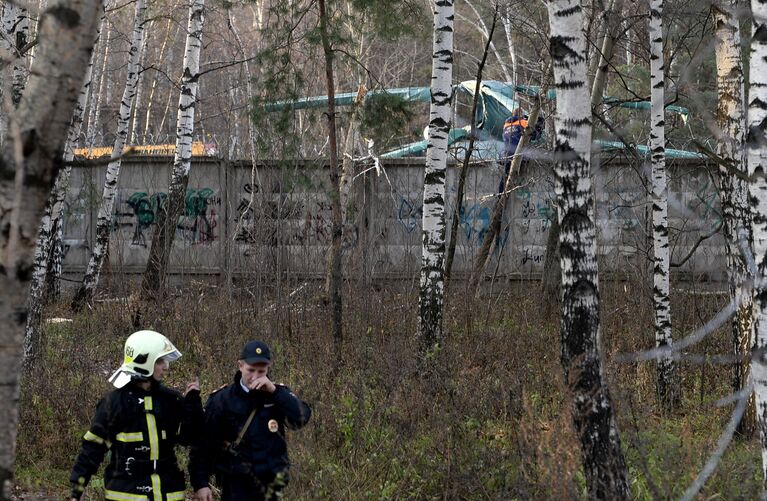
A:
x,y
263,384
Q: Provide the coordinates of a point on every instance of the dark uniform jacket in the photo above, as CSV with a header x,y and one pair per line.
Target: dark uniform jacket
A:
x,y
262,453
141,429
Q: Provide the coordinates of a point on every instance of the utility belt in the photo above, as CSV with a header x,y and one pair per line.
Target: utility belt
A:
x,y
134,467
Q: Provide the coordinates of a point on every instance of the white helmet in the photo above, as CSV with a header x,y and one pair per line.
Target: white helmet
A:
x,y
142,350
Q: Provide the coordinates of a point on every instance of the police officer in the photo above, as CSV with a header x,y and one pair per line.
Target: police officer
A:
x,y
140,422
245,425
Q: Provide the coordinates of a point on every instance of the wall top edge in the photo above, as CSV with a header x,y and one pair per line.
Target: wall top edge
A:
x,y
392,162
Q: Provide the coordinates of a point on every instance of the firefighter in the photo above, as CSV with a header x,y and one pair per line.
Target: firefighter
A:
x,y
140,422
245,424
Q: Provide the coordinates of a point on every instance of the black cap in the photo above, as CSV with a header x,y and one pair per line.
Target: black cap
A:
x,y
255,352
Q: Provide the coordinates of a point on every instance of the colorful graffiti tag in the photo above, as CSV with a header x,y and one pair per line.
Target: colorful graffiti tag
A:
x,y
196,225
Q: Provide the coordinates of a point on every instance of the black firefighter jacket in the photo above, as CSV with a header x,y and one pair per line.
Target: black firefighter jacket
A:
x,y
141,429
263,451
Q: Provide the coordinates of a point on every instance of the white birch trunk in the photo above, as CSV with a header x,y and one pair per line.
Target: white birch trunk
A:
x,y
153,87
55,262
161,134
94,116
165,229
16,35
26,175
49,236
104,221
249,95
508,29
757,173
41,6
667,387
733,191
139,94
482,28
603,461
234,138
431,297
629,54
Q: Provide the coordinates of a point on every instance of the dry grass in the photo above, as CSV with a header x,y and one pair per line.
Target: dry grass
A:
x,y
492,423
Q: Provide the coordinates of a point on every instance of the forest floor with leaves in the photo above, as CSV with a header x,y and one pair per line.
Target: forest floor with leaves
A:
x,y
492,422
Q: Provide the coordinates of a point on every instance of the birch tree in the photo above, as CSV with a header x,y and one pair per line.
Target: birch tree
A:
x,y
454,221
667,388
16,35
14,23
431,297
733,189
167,216
592,411
48,235
169,33
104,221
139,94
30,160
94,114
480,25
757,174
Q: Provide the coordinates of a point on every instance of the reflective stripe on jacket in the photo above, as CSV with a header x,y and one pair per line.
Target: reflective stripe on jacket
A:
x,y
141,429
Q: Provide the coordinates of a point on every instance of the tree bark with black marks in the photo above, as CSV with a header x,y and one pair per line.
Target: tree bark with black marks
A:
x,y
170,32
14,23
550,279
16,28
49,234
667,384
756,143
139,92
31,159
592,409
432,287
733,190
97,96
467,159
104,222
168,213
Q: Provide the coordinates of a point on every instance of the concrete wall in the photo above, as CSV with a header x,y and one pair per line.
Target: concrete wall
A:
x,y
280,221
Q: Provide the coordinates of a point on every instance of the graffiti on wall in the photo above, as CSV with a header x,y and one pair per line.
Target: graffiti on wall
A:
x,y
475,221
287,219
536,210
196,225
410,214
532,257
298,214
